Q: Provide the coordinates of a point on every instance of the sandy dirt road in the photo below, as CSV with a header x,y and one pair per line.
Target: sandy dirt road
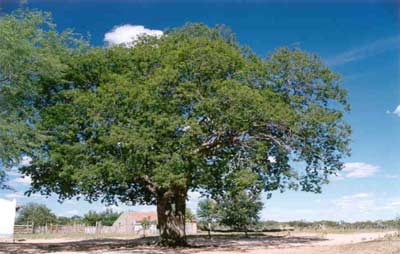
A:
x,y
295,243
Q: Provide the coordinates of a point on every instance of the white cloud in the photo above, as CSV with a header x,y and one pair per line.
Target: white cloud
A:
x,y
23,180
337,177
359,169
358,202
395,203
128,34
15,195
355,206
397,111
368,50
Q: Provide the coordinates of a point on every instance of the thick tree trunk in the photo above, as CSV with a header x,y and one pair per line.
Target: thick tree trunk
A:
x,y
171,218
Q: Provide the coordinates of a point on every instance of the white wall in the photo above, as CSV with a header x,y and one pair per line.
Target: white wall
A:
x,y
7,217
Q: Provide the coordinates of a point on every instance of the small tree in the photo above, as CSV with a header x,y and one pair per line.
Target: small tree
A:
x,y
38,214
240,211
63,220
145,223
189,216
107,218
208,213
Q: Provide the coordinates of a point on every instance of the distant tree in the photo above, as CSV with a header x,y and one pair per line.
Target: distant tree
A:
x,y
62,220
38,214
107,218
207,212
173,114
240,211
397,224
91,218
145,223
189,214
76,218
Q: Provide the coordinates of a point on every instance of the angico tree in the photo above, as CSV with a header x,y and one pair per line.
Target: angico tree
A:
x,y
190,110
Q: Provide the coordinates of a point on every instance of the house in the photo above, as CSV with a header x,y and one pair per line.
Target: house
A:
x,y
7,217
131,222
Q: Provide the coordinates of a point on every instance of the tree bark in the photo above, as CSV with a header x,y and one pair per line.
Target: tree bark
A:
x,y
171,218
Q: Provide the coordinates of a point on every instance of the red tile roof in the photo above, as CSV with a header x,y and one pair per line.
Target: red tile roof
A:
x,y
139,216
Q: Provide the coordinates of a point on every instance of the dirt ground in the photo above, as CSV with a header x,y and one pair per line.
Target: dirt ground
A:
x,y
269,243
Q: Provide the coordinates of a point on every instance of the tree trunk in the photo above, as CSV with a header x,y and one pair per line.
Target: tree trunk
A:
x,y
171,218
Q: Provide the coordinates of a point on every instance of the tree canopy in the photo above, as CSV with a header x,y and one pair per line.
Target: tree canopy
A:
x,y
38,214
208,214
190,110
240,211
107,217
30,59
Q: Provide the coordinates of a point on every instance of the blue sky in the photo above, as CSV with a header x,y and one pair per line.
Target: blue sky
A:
x,y
359,39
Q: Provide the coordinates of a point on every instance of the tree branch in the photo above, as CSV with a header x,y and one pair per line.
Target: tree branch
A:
x,y
145,180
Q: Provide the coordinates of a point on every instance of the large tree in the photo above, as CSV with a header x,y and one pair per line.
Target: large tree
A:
x,y
190,110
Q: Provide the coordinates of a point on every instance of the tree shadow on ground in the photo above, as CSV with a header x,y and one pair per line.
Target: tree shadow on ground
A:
x,y
225,242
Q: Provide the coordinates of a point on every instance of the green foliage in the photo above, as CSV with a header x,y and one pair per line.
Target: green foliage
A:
x,y
145,223
107,218
240,211
189,214
31,53
207,212
38,214
185,112
190,110
62,220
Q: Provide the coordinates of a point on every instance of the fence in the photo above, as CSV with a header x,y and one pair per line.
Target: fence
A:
x,y
83,229
24,229
136,229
